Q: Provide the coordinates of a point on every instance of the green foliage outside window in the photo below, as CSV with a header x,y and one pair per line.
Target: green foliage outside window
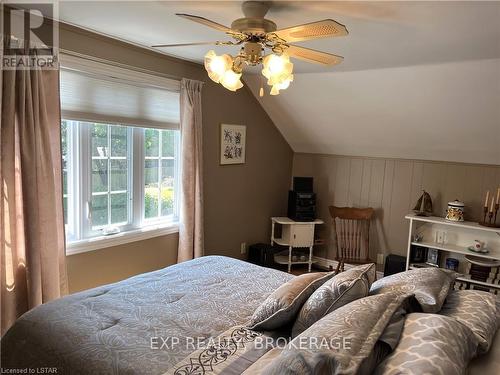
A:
x,y
151,201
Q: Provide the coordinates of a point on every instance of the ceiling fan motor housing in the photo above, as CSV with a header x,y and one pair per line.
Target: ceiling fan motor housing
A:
x,y
253,26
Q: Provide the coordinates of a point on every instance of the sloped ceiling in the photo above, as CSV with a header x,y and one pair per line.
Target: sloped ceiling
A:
x,y
420,80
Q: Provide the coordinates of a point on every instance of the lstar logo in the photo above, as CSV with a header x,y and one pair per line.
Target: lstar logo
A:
x,y
30,35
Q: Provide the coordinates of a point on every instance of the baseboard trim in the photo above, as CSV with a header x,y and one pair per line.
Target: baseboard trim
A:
x,y
326,263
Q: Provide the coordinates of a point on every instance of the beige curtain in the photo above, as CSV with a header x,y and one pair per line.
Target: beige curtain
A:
x,y
31,214
191,210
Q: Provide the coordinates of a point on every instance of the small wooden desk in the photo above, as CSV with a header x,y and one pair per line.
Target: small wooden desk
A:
x,y
294,234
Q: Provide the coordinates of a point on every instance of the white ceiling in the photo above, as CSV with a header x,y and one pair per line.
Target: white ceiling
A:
x,y
371,104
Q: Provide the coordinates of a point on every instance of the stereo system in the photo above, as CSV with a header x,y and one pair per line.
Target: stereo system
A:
x,y
302,200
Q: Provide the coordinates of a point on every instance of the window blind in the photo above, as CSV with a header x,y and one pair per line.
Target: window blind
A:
x,y
97,92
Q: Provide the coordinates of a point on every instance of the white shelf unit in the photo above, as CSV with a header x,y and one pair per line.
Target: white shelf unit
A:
x,y
294,234
460,235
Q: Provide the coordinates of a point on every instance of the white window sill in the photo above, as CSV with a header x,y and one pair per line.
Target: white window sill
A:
x,y
101,242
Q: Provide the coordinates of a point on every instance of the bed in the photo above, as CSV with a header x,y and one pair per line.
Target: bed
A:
x,y
109,329
149,323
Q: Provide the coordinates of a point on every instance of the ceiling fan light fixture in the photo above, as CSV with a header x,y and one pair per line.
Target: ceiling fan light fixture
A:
x,y
277,69
275,64
275,89
217,66
231,80
256,34
284,85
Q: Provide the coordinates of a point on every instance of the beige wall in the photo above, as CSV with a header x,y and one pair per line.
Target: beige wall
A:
x,y
104,266
392,187
239,199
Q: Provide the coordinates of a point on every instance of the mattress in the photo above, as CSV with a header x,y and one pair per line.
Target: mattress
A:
x,y
142,325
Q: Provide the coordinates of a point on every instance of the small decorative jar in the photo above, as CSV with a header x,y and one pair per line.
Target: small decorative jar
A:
x,y
455,211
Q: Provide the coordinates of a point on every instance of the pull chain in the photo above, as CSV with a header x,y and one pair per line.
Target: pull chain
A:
x,y
261,91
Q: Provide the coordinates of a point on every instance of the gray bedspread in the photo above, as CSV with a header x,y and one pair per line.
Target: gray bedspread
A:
x,y
130,327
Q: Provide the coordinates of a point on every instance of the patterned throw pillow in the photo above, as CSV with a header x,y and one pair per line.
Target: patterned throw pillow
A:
x,y
430,344
342,342
476,310
429,285
281,307
340,290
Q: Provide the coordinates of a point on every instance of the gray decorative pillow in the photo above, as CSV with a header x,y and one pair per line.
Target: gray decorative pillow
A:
x,y
429,285
340,290
281,307
430,344
476,310
341,342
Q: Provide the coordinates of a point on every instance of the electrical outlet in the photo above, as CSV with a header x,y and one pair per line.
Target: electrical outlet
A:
x,y
243,248
380,258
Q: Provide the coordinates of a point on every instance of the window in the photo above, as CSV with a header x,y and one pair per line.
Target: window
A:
x,y
120,153
110,175
103,191
159,173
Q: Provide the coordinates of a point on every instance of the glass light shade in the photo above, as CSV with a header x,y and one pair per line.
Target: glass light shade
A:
x,y
231,80
275,89
277,68
217,66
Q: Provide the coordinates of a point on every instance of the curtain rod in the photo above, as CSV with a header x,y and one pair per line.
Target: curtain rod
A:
x,y
117,64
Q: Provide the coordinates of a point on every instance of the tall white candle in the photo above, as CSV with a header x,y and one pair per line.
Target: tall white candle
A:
x,y
487,199
498,195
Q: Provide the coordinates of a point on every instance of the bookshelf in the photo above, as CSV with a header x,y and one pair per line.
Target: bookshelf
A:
x,y
457,237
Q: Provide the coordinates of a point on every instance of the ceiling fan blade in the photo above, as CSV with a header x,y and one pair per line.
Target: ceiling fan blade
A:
x,y
184,44
313,30
206,22
311,55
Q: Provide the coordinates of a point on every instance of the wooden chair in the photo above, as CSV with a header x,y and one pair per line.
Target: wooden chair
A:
x,y
352,231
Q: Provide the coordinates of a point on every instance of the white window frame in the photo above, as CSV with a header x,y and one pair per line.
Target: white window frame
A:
x,y
73,190
86,184
80,236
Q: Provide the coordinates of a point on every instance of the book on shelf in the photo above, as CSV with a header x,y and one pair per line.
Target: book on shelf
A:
x,y
480,273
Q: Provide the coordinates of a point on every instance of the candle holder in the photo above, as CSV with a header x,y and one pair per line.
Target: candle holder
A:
x,y
490,218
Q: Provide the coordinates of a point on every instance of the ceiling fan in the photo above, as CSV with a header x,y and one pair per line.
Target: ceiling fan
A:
x,y
256,34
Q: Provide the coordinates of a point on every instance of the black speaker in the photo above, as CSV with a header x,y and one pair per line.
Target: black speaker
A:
x,y
301,206
262,254
394,264
303,184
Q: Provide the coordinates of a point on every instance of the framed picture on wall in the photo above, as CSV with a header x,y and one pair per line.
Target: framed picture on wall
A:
x,y
232,144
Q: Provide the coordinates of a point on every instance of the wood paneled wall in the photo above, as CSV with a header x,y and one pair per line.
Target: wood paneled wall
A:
x,y
392,187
